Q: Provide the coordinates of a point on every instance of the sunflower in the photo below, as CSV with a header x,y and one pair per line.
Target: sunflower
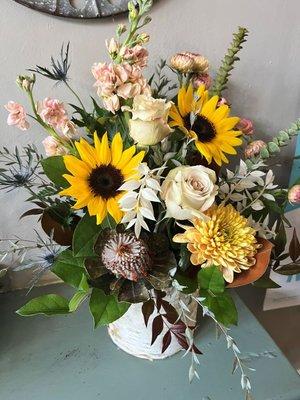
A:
x,y
225,240
99,173
210,126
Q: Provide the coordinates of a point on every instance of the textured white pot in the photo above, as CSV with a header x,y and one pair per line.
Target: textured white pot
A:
x,y
131,335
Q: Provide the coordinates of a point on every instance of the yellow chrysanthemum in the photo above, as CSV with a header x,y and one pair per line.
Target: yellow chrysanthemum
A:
x,y
225,240
98,175
199,118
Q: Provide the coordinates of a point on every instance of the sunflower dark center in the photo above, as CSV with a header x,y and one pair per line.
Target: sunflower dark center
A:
x,y
204,129
105,181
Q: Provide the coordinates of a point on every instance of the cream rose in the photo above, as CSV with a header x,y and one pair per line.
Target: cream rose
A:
x,y
148,125
189,191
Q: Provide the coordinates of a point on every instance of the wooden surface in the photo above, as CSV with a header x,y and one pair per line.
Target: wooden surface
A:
x,y
62,358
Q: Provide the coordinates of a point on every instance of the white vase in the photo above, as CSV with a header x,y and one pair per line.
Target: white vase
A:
x,y
131,335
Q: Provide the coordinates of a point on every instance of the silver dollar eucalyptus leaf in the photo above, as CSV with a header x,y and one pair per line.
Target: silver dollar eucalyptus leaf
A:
x,y
78,8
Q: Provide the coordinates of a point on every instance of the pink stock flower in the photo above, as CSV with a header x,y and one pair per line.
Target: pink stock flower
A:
x,y
294,194
122,80
112,103
136,55
254,148
204,79
17,115
53,112
246,126
53,147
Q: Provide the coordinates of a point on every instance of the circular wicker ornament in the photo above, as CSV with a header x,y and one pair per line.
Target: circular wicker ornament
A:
x,y
78,8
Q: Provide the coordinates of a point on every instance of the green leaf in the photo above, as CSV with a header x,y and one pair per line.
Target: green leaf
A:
x,y
280,239
54,167
77,299
211,279
105,308
84,286
86,233
69,268
191,285
49,304
223,308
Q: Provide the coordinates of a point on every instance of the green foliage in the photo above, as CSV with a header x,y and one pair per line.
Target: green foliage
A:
x,y
49,304
86,233
80,295
211,281
223,308
190,285
227,65
274,146
105,308
54,167
70,269
212,288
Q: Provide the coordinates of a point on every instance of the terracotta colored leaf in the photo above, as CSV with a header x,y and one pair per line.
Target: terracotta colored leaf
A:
x,y
258,270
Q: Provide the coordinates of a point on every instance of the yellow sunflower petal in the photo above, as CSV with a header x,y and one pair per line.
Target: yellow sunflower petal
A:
x,y
220,113
228,123
209,107
182,101
133,163
203,149
116,148
114,209
87,153
76,166
104,153
126,157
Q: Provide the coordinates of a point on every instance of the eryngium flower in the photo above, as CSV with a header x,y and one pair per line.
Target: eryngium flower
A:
x,y
226,240
125,255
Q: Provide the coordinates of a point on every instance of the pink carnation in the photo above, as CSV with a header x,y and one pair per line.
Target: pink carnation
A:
x,y
246,126
17,115
53,112
53,147
254,148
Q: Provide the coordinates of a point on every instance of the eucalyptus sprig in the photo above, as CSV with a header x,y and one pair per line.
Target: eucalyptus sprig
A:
x,y
220,82
273,147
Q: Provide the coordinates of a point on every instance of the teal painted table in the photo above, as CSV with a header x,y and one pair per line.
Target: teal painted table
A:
x,y
62,358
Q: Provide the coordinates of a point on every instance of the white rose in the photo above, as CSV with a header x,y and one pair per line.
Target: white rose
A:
x,y
148,125
189,191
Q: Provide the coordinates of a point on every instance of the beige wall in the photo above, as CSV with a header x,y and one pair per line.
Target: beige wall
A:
x,y
265,85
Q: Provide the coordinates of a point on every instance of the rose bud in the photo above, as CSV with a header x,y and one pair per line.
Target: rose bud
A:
x,y
254,148
294,194
246,126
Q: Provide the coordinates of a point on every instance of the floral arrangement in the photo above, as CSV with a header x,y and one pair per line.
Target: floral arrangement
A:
x,y
135,196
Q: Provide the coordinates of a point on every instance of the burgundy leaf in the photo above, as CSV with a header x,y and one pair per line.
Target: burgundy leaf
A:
x,y
294,249
166,341
182,341
196,350
147,310
40,204
157,327
179,327
171,313
33,211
